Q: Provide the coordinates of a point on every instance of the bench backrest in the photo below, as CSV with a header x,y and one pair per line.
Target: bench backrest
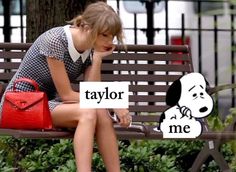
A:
x,y
149,83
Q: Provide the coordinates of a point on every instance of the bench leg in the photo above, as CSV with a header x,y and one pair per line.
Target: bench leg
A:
x,y
210,148
218,157
201,158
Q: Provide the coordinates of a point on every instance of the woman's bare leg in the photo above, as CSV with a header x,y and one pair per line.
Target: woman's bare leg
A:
x,y
84,120
107,141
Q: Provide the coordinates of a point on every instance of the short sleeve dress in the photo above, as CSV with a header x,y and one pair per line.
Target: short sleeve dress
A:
x,y
57,43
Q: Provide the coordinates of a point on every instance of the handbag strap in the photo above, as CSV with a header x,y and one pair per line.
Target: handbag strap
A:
x,y
32,82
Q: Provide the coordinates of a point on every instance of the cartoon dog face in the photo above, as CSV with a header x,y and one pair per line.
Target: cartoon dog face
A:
x,y
190,91
189,100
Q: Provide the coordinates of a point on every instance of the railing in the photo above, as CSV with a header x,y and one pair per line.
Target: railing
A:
x,y
208,26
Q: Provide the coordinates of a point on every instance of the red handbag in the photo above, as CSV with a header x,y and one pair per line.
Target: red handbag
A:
x,y
26,110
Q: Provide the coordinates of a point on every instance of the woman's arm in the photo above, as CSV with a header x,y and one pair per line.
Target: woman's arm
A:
x,y
61,80
93,72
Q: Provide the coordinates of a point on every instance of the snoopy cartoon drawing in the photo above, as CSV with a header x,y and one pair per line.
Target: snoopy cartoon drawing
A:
x,y
188,101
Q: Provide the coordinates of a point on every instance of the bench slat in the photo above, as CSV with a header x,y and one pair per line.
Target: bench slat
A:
x,y
149,56
145,67
6,76
147,98
204,136
148,109
148,88
134,88
121,134
9,65
120,67
12,55
33,134
146,118
154,48
128,57
146,78
15,46
139,48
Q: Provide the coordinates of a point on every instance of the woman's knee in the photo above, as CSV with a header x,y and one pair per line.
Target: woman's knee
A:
x,y
103,117
88,115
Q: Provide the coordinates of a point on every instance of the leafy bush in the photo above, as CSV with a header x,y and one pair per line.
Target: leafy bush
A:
x,y
58,157
37,155
5,163
140,156
21,155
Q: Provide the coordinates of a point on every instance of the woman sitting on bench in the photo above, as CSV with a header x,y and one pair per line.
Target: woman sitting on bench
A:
x,y
56,59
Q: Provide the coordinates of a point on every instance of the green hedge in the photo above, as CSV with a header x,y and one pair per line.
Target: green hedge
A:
x,y
140,156
25,155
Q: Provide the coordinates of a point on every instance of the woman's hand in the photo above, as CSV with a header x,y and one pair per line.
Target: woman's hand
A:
x,y
93,72
124,117
101,53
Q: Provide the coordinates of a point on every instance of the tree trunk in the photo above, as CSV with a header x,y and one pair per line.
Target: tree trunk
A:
x,y
45,14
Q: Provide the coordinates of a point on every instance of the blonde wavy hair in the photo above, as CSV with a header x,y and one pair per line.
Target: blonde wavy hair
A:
x,y
101,18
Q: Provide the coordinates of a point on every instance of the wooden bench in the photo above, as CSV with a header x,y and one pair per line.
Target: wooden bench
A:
x,y
150,69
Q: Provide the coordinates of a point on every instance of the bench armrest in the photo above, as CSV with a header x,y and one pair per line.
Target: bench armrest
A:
x,y
213,90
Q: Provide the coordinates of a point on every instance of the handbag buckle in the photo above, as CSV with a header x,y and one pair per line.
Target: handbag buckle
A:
x,y
23,102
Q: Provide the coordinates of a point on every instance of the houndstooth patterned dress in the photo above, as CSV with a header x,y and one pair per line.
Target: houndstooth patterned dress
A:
x,y
57,43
